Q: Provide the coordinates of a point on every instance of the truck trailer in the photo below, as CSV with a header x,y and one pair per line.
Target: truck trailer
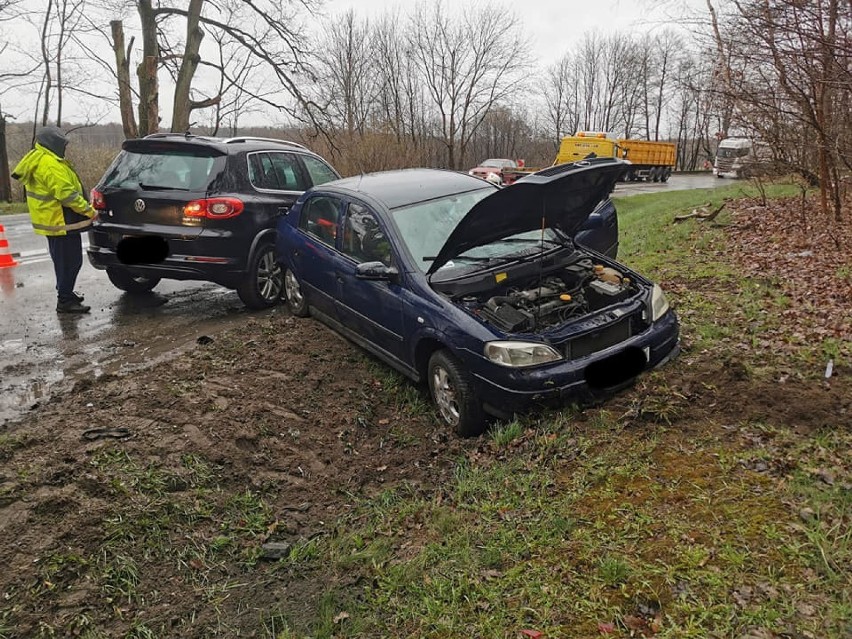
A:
x,y
651,161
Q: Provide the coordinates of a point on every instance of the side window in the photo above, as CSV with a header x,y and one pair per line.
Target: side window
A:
x,y
276,172
261,172
319,171
320,217
363,239
287,172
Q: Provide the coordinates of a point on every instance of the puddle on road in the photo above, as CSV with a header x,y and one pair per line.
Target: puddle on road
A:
x,y
128,335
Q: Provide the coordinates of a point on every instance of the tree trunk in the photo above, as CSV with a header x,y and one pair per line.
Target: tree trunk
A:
x,y
45,56
149,90
122,66
5,180
194,34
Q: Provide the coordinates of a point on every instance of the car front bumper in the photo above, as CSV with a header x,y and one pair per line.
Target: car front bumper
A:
x,y
505,391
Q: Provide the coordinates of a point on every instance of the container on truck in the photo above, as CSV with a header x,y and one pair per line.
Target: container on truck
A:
x,y
651,161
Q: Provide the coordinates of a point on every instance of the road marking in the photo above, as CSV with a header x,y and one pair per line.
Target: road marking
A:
x,y
36,252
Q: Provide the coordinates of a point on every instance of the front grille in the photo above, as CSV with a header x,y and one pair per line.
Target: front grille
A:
x,y
600,339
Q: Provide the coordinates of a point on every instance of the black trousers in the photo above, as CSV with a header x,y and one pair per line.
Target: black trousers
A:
x,y
66,251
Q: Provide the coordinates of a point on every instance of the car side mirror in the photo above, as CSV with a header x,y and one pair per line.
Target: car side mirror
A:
x,y
376,271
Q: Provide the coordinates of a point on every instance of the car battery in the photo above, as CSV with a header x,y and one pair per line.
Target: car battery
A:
x,y
600,293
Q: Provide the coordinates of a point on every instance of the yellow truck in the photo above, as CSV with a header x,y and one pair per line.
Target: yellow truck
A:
x,y
651,161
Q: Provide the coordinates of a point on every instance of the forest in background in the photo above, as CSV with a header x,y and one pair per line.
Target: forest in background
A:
x,y
435,86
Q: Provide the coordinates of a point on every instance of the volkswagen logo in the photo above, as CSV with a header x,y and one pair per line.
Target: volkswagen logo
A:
x,y
139,205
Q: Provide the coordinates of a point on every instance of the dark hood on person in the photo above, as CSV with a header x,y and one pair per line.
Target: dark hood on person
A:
x,y
53,139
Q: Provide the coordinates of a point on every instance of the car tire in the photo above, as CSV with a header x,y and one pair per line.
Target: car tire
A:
x,y
667,173
263,284
130,283
296,301
452,391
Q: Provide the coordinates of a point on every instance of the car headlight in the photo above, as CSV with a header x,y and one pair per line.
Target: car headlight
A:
x,y
659,303
471,172
517,354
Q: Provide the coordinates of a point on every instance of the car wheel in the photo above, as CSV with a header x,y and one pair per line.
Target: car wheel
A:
x,y
264,282
667,173
296,301
452,391
130,283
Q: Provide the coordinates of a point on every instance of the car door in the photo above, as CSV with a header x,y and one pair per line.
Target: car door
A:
x,y
313,255
371,308
279,177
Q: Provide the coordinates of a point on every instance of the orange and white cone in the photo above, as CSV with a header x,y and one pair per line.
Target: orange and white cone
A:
x,y
6,259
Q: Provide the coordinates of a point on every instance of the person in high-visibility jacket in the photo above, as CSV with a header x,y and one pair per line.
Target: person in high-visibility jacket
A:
x,y
58,209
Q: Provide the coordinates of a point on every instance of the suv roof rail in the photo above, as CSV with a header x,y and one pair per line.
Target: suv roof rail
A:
x,y
251,138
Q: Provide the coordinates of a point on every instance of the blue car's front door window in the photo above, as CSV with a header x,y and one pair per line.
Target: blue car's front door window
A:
x,y
321,218
363,238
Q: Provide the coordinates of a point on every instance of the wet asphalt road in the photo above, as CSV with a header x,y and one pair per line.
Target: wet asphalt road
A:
x,y
41,352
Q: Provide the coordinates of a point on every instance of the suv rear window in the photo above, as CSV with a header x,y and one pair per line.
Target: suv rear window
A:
x,y
162,169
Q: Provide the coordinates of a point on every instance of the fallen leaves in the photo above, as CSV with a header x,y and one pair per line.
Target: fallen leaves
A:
x,y
807,257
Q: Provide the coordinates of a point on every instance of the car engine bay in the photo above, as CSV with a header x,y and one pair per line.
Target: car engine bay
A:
x,y
572,291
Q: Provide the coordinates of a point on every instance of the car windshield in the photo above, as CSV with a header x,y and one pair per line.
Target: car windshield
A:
x,y
425,227
724,152
160,170
497,163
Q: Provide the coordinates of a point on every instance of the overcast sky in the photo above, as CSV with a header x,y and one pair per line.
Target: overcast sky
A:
x,y
553,28
552,25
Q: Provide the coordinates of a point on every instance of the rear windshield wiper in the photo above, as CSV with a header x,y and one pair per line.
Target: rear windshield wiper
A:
x,y
161,187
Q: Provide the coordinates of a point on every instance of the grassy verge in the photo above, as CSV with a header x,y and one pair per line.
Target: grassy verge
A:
x,y
11,208
588,523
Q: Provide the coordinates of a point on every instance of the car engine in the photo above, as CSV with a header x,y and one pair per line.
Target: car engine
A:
x,y
575,290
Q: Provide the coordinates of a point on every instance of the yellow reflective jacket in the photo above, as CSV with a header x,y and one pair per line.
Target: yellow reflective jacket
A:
x,y
52,185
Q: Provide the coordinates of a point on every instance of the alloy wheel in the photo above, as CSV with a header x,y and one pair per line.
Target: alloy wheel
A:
x,y
269,277
292,288
445,395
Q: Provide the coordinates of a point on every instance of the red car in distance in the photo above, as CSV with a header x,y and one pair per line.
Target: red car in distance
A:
x,y
500,167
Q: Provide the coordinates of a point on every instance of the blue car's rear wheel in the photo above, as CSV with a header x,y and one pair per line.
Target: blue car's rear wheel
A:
x,y
452,391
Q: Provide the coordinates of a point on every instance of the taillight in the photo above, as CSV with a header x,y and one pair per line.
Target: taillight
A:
x,y
98,200
217,208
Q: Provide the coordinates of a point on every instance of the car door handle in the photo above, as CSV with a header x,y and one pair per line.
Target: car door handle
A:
x,y
283,210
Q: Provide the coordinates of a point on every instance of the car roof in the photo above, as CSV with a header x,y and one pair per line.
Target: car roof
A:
x,y
407,186
228,145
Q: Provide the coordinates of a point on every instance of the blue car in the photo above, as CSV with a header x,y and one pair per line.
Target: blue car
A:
x,y
482,292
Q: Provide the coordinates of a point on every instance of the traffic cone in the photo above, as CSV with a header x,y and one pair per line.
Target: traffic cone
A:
x,y
6,259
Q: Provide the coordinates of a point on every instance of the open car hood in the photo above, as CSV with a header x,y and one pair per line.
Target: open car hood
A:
x,y
560,197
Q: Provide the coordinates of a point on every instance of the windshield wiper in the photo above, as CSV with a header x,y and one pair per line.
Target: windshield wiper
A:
x,y
161,187
469,258
530,240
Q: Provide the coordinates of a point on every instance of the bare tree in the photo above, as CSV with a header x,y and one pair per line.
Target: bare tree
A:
x,y
401,94
561,99
791,64
469,62
270,31
5,181
346,74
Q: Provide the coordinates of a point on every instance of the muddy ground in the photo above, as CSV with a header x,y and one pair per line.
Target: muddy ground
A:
x,y
283,409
